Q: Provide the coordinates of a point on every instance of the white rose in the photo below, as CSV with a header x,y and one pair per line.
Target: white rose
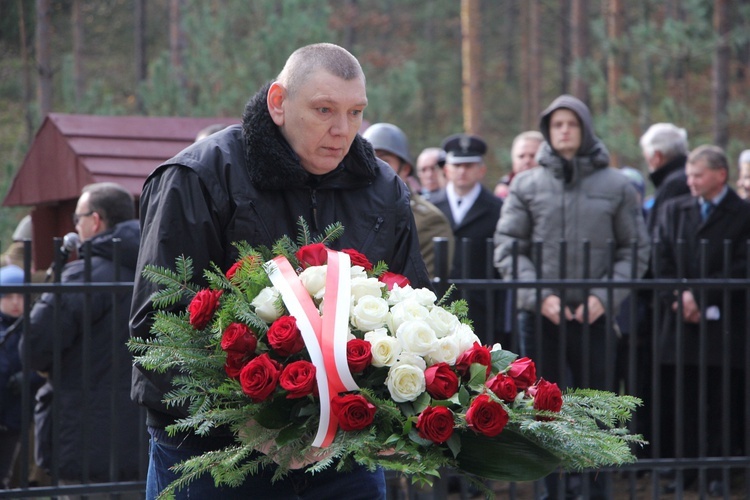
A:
x,y
425,296
409,358
385,349
407,310
496,347
314,280
398,294
442,322
265,304
405,382
369,313
466,337
416,336
446,351
366,287
357,272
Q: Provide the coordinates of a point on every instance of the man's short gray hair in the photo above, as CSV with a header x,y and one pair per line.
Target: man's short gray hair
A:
x,y
111,201
306,60
714,157
666,138
744,157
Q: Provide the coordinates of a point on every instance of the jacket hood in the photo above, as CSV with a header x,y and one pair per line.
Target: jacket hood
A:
x,y
272,164
592,154
129,234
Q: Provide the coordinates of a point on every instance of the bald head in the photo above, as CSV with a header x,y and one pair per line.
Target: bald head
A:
x,y
307,60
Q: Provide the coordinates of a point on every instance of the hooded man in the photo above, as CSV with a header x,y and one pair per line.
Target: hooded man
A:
x,y
574,198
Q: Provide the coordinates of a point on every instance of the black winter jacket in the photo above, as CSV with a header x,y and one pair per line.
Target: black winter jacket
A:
x,y
245,183
85,405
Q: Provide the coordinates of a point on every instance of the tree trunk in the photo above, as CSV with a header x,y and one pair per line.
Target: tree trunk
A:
x,y
564,46
176,42
472,66
511,23
535,63
78,42
43,63
579,26
27,85
351,11
720,77
614,69
139,35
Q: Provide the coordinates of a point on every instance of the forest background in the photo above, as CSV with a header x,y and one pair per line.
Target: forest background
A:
x,y
434,67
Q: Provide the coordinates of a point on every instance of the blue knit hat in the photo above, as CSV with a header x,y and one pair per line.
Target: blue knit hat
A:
x,y
11,275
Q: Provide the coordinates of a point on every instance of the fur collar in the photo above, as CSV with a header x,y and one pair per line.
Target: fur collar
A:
x,y
272,164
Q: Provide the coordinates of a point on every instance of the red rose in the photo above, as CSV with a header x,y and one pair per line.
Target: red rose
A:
x,y
358,259
547,397
436,424
475,354
238,337
486,416
285,337
234,363
391,279
202,307
523,371
504,387
441,381
353,411
237,265
312,255
298,378
358,355
259,377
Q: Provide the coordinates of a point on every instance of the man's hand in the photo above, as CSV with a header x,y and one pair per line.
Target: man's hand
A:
x,y
551,309
596,309
690,311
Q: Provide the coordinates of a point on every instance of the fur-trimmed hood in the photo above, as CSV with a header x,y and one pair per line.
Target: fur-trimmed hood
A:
x,y
272,164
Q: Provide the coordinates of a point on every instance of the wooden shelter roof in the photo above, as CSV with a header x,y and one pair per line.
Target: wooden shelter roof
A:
x,y
70,151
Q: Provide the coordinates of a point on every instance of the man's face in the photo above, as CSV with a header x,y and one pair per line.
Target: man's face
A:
x,y
524,155
704,181
465,175
430,175
398,165
88,223
744,180
321,119
11,304
565,133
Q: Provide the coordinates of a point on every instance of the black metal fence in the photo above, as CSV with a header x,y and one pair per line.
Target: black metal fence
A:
x,y
630,361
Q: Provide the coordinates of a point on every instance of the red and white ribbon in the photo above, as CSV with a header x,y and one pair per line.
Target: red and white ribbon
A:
x,y
325,335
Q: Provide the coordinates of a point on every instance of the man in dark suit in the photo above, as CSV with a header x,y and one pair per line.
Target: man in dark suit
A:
x,y
473,212
705,219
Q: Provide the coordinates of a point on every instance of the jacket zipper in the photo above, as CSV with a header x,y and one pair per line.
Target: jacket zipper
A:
x,y
371,236
314,206
262,221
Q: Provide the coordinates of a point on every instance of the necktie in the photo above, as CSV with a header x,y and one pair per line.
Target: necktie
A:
x,y
706,208
458,202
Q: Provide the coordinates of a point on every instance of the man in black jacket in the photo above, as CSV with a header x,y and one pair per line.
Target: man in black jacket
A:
x,y
664,147
296,154
95,437
704,327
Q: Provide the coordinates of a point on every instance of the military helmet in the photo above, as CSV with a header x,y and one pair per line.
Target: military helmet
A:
x,y
390,138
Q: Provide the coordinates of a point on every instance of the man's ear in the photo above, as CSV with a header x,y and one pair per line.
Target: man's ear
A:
x,y
275,100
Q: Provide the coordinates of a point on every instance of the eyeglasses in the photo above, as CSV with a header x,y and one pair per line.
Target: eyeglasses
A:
x,y
77,217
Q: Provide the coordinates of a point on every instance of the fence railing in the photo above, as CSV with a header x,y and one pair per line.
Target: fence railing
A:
x,y
628,360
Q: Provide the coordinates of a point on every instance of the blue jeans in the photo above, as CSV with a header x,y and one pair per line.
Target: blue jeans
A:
x,y
359,483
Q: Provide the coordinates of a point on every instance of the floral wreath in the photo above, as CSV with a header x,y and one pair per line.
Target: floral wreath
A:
x,y
318,358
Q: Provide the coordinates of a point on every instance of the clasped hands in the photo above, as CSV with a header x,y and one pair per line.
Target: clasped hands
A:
x,y
552,309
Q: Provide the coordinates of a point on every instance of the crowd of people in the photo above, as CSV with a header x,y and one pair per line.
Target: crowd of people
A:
x,y
299,153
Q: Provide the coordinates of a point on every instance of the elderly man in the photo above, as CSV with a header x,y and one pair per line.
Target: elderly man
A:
x,y
297,154
522,156
430,163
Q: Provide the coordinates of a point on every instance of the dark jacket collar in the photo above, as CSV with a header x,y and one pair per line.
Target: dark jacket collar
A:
x,y
272,164
675,164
